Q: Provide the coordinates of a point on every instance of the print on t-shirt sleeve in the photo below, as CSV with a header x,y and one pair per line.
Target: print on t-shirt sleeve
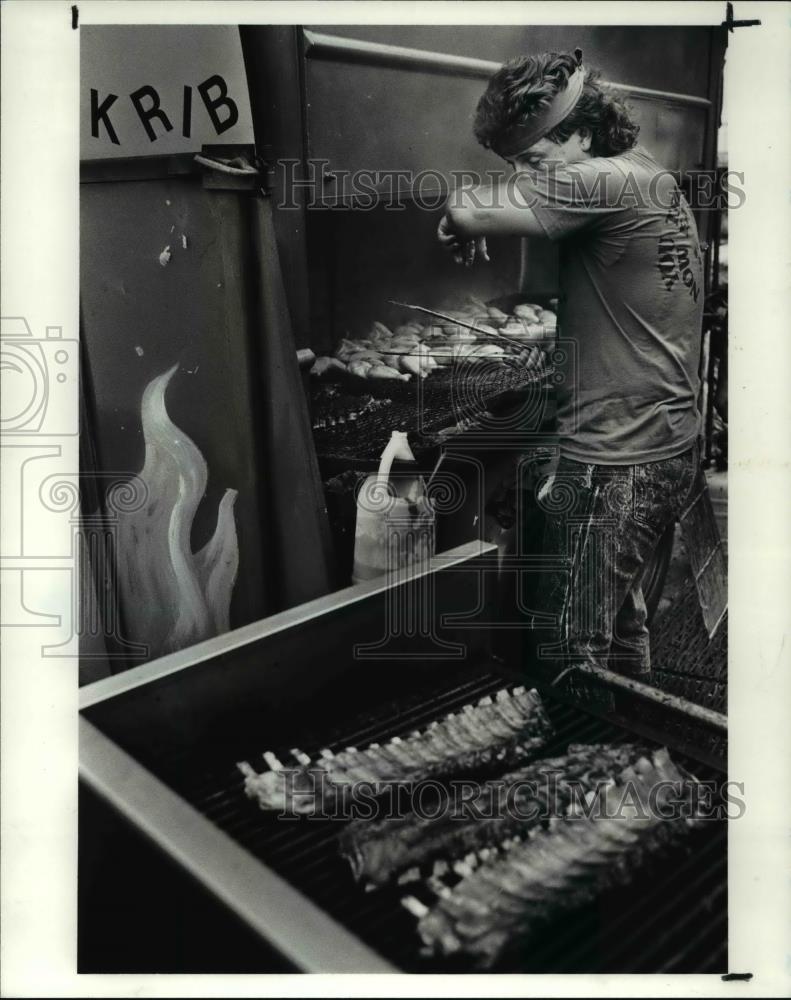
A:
x,y
678,250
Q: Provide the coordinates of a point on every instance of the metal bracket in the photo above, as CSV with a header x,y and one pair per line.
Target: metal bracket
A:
x,y
730,24
232,168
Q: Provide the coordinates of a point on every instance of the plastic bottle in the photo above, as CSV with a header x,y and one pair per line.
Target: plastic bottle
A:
x,y
395,522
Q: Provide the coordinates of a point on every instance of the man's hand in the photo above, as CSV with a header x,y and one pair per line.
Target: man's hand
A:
x,y
464,252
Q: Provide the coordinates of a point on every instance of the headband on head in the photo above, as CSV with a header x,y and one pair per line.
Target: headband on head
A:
x,y
519,138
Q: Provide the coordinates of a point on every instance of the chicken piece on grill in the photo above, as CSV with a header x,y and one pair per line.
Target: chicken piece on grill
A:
x,y
422,352
496,733
408,329
413,365
360,368
495,316
348,347
380,849
327,367
379,329
526,312
385,371
365,355
519,890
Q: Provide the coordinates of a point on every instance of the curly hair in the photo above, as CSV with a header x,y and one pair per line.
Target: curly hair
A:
x,y
524,87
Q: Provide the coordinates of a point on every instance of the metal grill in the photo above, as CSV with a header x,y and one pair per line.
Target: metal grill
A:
x,y
346,427
672,918
686,662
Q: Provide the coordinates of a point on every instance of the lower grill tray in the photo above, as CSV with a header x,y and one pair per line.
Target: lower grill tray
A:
x,y
672,918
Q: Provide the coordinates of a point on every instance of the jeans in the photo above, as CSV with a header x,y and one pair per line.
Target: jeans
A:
x,y
602,523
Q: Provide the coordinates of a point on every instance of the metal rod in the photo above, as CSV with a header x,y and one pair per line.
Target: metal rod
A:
x,y
610,679
512,341
336,48
658,95
355,50
507,359
434,471
447,353
451,356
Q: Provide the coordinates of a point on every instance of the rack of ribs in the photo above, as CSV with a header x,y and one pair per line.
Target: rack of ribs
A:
x,y
525,884
483,814
497,733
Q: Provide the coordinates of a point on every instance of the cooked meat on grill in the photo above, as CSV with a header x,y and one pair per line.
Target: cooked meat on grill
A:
x,y
324,367
414,349
413,365
360,368
382,848
385,371
528,883
527,312
496,316
501,732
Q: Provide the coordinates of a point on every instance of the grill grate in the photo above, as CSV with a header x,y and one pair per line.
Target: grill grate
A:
x,y
686,661
447,397
682,643
673,918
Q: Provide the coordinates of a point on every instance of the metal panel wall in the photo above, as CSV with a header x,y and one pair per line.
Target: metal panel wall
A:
x,y
359,260
659,57
388,118
140,317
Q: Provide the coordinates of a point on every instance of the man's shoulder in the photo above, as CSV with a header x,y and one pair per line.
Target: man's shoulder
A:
x,y
636,161
631,179
601,193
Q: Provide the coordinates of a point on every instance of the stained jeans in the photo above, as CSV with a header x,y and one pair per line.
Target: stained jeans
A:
x,y
602,523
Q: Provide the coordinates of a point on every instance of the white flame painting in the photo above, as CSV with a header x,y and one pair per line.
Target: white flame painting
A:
x,y
172,597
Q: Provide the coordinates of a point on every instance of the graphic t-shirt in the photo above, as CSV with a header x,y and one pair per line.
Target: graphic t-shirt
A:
x,y
631,303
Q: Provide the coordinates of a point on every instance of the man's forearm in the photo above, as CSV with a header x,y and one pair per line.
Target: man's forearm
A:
x,y
490,211
468,211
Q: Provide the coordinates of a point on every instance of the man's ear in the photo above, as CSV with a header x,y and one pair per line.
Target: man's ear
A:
x,y
586,138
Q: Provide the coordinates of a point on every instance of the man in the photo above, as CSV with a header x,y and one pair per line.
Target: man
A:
x,y
631,301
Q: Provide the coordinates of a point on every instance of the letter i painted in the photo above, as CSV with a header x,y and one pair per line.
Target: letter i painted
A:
x,y
186,120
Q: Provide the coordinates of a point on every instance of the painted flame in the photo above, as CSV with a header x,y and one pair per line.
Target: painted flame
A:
x,y
172,597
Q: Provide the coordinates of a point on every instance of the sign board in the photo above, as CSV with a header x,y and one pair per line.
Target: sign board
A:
x,y
151,90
